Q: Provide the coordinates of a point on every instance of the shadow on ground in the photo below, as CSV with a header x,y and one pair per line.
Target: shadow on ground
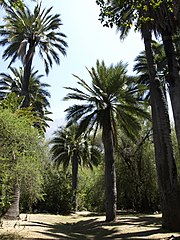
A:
x,y
96,229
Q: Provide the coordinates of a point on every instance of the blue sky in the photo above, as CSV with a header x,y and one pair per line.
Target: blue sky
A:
x,y
88,41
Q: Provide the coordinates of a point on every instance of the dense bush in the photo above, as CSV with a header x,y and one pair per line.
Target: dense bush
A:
x,y
91,189
136,175
57,197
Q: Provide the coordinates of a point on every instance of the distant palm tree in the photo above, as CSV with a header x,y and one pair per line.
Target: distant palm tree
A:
x,y
68,148
108,103
23,32
38,92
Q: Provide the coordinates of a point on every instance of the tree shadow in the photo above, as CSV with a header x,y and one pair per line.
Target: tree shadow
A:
x,y
95,228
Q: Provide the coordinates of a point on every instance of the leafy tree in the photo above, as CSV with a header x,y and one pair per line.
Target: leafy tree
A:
x,y
107,103
21,158
24,32
67,149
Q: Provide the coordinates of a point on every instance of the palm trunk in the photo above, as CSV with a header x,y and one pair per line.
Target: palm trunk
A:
x,y
110,174
13,211
165,162
74,182
27,74
173,80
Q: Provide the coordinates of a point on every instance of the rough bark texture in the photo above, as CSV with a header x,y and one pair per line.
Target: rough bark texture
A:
x,y
165,162
110,174
75,182
13,211
173,80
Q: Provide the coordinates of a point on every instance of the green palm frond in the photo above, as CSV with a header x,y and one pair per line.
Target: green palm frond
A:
x,y
66,144
24,30
111,91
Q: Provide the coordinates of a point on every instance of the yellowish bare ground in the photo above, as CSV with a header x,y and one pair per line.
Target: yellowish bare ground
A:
x,y
85,225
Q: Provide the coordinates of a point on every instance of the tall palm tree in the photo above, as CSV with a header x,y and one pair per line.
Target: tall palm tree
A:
x,y
24,32
68,148
166,25
126,14
38,93
108,103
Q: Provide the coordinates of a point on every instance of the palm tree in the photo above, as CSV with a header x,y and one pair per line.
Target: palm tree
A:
x,y
166,25
23,32
38,93
124,14
68,149
108,103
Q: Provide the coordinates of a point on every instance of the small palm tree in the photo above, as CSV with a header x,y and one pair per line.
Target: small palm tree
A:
x,y
108,103
68,149
23,32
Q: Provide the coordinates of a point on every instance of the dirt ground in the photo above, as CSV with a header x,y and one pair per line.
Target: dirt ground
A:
x,y
83,226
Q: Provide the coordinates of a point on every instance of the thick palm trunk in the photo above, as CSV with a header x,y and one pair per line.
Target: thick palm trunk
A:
x,y
173,80
110,174
27,74
74,183
13,211
165,162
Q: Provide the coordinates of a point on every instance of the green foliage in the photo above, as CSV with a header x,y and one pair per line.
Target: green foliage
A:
x,y
127,14
111,90
67,145
13,103
57,196
137,187
91,194
40,28
136,176
21,157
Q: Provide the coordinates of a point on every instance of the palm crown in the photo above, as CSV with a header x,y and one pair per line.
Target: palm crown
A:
x,y
38,29
66,145
13,83
111,90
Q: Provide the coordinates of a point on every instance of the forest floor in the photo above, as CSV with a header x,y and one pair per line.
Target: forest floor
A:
x,y
84,226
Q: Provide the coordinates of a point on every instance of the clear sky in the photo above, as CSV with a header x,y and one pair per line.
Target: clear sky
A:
x,y
88,41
